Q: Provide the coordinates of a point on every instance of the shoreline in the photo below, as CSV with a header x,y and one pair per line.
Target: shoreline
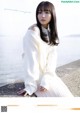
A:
x,y
69,73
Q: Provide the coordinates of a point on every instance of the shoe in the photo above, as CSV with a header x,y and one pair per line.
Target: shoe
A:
x,y
33,95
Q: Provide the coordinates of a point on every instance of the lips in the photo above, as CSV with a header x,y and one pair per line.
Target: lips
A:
x,y
43,20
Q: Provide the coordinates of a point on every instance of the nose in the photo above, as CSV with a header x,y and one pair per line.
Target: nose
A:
x,y
43,14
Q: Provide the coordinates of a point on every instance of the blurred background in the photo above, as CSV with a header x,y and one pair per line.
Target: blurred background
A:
x,y
16,16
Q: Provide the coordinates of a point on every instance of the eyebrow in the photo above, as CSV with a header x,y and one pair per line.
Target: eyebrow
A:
x,y
44,10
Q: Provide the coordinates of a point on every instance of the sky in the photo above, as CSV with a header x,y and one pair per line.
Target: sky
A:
x,y
19,14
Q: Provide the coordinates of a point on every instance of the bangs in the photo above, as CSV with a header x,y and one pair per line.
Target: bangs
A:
x,y
44,7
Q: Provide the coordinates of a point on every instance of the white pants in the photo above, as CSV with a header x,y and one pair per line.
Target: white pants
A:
x,y
56,89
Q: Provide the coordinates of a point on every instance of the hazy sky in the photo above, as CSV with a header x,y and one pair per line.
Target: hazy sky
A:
x,y
22,14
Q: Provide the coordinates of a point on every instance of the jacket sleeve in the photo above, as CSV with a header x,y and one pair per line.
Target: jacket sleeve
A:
x,y
30,59
50,68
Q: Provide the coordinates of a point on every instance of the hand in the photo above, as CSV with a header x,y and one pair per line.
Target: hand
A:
x,y
23,93
42,88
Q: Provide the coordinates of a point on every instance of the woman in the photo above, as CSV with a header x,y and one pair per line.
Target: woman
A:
x,y
40,43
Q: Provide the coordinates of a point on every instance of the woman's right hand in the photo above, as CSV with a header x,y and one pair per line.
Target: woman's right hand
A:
x,y
23,93
41,88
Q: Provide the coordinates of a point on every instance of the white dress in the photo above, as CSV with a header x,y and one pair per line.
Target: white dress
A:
x,y
40,65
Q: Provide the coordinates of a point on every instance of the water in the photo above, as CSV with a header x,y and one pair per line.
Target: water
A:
x,y
68,49
11,65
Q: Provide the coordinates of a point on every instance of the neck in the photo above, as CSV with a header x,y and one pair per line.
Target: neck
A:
x,y
45,26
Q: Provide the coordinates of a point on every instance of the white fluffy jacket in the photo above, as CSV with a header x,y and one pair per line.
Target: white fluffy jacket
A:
x,y
39,61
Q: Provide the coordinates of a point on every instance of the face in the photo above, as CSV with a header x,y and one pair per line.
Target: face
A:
x,y
44,17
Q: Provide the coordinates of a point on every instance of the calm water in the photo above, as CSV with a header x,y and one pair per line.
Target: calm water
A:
x,y
11,65
11,68
68,49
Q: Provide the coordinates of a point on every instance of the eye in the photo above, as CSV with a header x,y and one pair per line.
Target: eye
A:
x,y
47,12
39,12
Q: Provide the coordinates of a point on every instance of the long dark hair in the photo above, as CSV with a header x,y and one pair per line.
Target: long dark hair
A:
x,y
53,39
